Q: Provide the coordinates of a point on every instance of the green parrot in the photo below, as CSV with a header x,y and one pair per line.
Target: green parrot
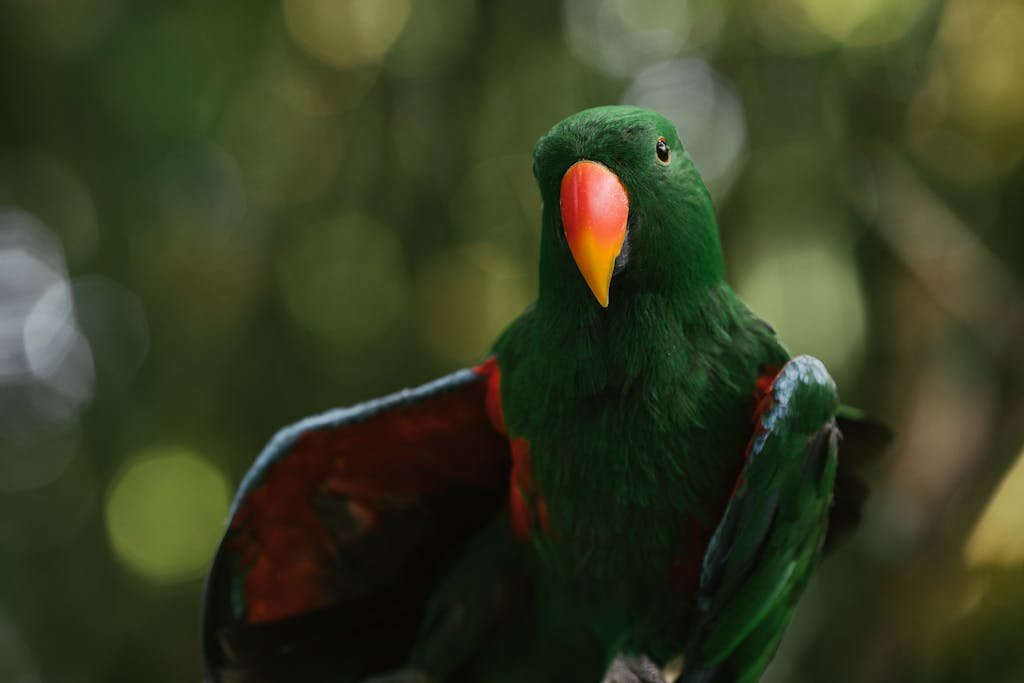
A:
x,y
638,472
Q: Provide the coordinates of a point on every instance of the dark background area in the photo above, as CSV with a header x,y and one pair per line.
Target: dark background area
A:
x,y
216,218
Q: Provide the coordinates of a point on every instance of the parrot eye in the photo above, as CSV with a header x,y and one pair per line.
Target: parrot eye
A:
x,y
662,150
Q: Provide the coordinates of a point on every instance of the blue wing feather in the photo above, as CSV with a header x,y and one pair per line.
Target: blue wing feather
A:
x,y
285,438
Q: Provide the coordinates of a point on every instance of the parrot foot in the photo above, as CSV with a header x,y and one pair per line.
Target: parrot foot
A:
x,y
625,669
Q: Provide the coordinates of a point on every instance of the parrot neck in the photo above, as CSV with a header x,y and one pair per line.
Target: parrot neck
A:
x,y
592,349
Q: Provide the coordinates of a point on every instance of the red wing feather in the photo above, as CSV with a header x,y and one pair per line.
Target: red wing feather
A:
x,y
394,457
359,505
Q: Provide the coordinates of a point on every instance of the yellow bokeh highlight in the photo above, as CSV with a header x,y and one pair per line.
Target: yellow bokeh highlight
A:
x,y
982,55
973,87
165,514
466,296
862,22
998,538
811,294
806,26
346,33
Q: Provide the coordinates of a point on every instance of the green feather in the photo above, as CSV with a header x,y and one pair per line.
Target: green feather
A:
x,y
637,415
771,535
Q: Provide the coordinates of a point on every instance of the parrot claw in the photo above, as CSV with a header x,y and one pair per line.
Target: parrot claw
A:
x,y
625,669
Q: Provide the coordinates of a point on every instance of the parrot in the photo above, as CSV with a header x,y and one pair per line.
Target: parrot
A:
x,y
636,476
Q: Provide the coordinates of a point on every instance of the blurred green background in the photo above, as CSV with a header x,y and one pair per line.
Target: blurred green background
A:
x,y
216,218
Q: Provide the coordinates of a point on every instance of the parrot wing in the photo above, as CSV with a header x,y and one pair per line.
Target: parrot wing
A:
x,y
343,526
771,534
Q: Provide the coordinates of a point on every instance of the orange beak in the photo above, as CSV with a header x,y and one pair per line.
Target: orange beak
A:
x,y
595,210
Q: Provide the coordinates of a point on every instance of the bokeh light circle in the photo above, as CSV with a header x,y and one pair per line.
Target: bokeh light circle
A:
x,y
47,374
165,514
812,295
619,37
708,113
997,539
346,33
862,22
466,296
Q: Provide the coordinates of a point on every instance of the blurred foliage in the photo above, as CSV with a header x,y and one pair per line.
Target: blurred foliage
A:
x,y
218,217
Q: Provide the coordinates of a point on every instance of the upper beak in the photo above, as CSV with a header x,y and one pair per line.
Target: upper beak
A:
x,y
595,210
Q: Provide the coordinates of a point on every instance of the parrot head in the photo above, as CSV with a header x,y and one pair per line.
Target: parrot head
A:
x,y
625,211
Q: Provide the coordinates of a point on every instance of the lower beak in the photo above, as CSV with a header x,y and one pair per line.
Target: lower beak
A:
x,y
595,210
